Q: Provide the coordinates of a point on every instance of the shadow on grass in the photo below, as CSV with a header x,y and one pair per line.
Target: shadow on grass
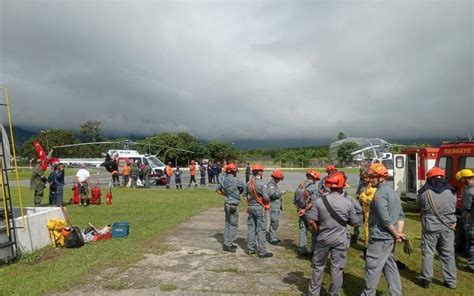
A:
x,y
297,278
353,285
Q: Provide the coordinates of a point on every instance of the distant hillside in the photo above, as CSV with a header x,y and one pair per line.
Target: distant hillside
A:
x,y
21,135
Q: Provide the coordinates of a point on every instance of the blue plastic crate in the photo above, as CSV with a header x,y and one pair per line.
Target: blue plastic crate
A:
x,y
120,229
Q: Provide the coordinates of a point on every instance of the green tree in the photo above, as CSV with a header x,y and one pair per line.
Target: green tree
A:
x,y
171,146
220,151
344,152
341,136
51,138
90,131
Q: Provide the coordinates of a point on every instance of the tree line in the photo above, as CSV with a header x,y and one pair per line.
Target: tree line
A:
x,y
175,147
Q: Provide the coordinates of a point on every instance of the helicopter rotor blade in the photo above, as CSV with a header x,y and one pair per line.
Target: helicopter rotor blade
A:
x,y
85,144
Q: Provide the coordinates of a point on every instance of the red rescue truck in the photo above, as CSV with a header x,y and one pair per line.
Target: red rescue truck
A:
x,y
410,171
411,168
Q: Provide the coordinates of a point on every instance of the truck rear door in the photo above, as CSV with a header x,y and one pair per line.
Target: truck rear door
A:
x,y
399,173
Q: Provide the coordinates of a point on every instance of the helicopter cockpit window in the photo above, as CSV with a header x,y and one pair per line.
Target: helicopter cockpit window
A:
x,y
145,161
155,162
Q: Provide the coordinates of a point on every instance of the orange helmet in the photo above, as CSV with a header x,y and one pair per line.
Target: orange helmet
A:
x,y
314,174
257,167
231,167
378,169
336,180
277,174
434,172
330,168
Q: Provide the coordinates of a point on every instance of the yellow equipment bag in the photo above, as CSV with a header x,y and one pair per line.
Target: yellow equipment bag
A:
x,y
55,227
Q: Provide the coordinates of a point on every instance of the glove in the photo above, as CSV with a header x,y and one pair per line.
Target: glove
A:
x,y
407,247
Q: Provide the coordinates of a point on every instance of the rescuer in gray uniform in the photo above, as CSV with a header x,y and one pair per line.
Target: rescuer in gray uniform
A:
x,y
37,183
305,195
258,205
437,201
329,217
467,177
275,195
386,222
231,187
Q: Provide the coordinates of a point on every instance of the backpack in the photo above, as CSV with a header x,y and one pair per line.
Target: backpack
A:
x,y
74,239
302,194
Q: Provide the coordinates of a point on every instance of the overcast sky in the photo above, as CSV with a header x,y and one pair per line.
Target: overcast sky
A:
x,y
242,69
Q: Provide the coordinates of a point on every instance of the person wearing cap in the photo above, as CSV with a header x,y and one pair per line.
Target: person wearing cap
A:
x,y
275,195
169,173
437,201
37,183
322,189
386,222
305,195
147,175
231,188
258,205
467,178
329,217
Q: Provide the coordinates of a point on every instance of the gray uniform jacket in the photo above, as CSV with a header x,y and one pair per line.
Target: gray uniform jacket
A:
x,y
467,198
274,193
260,188
312,188
232,187
330,232
358,209
385,209
446,206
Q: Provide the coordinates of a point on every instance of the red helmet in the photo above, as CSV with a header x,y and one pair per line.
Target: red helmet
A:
x,y
330,168
277,174
257,167
378,169
314,174
434,172
336,180
231,167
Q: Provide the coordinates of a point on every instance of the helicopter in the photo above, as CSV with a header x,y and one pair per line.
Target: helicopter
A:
x,y
118,158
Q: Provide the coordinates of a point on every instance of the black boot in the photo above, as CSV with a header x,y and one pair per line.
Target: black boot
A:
x,y
424,283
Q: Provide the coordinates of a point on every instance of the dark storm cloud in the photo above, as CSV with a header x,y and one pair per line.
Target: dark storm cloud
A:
x,y
392,69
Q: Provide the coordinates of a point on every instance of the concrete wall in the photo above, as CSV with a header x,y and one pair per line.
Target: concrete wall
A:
x,y
36,235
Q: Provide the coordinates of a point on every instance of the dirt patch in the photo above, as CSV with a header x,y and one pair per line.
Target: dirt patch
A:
x,y
190,261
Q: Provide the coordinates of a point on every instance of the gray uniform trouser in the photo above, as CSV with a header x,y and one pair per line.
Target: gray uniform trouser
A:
x,y
256,224
380,257
338,261
443,242
303,234
231,223
470,239
274,221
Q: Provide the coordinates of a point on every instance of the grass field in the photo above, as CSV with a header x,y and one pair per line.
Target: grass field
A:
x,y
25,173
151,214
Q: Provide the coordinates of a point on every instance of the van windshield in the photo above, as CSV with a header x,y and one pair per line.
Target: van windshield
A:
x,y
388,163
155,162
